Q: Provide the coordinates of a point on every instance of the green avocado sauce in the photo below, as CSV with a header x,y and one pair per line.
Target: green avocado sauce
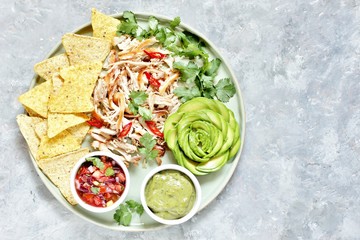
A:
x,y
170,194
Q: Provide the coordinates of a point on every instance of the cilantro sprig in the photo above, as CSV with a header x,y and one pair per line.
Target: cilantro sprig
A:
x,y
123,215
147,151
197,79
96,162
138,98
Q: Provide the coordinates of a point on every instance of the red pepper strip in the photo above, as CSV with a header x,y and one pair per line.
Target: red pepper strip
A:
x,y
152,126
125,130
153,82
95,122
158,55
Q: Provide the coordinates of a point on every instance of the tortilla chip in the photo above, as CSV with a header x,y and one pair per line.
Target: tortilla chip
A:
x,y
103,26
84,49
48,67
57,83
36,99
79,131
31,112
41,129
27,129
58,122
62,143
58,170
75,94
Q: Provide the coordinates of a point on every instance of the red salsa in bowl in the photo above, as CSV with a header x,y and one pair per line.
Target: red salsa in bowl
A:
x,y
99,181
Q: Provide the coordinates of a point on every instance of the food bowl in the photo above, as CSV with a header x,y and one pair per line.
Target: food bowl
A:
x,y
100,181
170,194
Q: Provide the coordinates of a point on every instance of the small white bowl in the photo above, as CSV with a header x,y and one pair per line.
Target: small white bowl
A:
x,y
83,204
183,170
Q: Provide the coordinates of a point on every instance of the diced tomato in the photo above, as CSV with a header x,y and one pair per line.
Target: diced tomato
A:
x,y
157,55
114,197
88,198
126,129
121,177
106,165
95,122
97,201
83,171
103,179
107,196
111,186
108,188
153,128
119,188
102,189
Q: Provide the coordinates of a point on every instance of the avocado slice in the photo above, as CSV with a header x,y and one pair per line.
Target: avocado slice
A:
x,y
223,110
192,167
172,121
234,148
170,129
178,155
213,164
193,105
171,138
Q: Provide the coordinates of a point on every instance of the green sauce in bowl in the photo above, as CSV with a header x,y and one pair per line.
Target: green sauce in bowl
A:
x,y
170,194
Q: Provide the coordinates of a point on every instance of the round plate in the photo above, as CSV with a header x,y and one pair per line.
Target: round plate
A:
x,y
211,184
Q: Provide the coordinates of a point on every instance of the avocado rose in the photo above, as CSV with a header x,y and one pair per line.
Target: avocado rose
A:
x,y
202,134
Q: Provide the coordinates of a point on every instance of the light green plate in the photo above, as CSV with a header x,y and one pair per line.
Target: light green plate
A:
x,y
211,184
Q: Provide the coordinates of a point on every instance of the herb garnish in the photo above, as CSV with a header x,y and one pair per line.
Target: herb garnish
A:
x,y
148,151
123,214
138,98
95,190
109,171
96,162
197,75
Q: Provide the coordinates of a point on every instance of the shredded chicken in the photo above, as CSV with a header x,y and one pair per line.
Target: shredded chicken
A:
x,y
130,66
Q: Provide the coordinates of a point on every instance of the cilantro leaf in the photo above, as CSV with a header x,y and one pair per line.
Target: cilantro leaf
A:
x,y
225,89
209,92
207,81
147,151
211,67
129,25
192,50
95,190
129,16
186,93
153,23
137,98
133,108
161,35
135,206
96,162
109,172
127,28
145,113
175,22
148,141
123,215
188,72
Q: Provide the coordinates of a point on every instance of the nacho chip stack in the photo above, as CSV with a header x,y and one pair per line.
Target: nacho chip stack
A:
x,y
60,105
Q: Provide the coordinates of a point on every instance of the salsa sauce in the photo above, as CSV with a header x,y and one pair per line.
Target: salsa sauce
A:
x,y
100,181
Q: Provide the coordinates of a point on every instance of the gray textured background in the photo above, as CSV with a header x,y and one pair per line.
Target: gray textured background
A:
x,y
298,65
